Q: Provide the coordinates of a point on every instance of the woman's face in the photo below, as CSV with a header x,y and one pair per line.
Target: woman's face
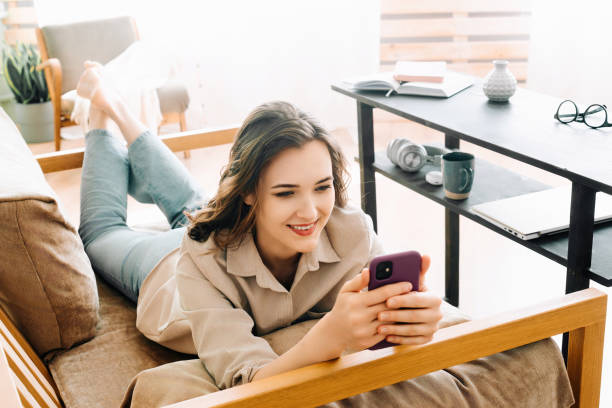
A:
x,y
296,197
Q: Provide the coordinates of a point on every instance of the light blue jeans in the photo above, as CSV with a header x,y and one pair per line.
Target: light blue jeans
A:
x,y
149,172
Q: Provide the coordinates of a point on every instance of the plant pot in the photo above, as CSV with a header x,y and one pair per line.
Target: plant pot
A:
x,y
35,121
5,91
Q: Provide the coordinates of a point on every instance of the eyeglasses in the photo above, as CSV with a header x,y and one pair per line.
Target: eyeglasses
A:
x,y
595,116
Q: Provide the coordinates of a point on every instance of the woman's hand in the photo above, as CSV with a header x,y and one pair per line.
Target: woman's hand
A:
x,y
352,323
417,324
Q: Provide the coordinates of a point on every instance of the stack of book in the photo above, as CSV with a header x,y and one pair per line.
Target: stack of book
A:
x,y
427,78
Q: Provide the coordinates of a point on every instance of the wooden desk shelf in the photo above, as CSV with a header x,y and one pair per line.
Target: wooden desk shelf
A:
x,y
491,183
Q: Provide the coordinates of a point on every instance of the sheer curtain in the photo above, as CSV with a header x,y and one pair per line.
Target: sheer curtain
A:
x,y
237,54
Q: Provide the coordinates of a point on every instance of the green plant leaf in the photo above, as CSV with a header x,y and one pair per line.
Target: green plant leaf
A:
x,y
13,78
19,64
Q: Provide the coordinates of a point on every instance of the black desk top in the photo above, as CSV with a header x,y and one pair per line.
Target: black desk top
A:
x,y
524,129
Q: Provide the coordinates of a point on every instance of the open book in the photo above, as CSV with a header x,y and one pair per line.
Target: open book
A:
x,y
383,81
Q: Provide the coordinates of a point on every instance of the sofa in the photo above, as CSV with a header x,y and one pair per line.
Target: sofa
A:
x,y
69,339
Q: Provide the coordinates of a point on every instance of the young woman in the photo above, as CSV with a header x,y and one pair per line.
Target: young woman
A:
x,y
277,244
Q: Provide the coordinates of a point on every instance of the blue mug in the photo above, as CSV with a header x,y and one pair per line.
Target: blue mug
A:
x,y
457,174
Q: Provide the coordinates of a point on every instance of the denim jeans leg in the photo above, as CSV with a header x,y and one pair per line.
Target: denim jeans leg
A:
x,y
124,257
121,256
104,182
157,173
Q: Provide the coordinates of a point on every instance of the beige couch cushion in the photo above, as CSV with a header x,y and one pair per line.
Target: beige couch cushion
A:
x,y
47,286
98,372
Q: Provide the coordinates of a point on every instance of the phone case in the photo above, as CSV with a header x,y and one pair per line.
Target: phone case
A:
x,y
406,267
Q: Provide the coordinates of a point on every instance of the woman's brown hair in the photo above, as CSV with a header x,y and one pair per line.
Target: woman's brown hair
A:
x,y
268,130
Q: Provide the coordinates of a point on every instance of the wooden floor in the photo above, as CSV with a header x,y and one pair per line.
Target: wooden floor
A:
x,y
496,274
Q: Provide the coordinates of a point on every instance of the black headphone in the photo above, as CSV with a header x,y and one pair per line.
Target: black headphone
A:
x,y
411,157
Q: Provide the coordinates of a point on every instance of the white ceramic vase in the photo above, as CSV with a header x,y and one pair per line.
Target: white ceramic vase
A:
x,y
499,84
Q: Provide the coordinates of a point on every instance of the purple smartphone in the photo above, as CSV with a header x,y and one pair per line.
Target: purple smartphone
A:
x,y
392,268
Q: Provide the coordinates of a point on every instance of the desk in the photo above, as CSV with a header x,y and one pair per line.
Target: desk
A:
x,y
523,129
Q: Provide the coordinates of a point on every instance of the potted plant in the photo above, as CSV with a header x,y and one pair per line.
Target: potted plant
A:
x,y
33,112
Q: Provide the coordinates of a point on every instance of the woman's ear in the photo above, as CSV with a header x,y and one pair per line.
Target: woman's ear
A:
x,y
249,199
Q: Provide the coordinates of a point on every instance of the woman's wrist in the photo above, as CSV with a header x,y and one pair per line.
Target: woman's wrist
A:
x,y
309,350
320,343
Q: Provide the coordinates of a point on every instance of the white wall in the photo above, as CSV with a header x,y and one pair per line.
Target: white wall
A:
x,y
237,54
570,52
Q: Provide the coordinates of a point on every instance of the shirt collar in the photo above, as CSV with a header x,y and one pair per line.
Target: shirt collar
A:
x,y
244,260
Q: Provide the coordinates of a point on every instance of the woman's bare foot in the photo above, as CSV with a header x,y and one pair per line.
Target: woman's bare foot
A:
x,y
92,86
107,103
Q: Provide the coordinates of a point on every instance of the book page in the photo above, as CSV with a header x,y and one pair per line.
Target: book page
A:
x,y
381,81
453,83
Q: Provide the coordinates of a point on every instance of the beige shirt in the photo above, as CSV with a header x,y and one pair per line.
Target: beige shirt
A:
x,y
217,305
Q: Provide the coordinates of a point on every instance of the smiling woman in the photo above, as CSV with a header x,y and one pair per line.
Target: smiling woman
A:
x,y
283,166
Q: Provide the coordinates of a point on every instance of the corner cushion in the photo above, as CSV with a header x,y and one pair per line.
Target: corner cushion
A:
x,y
47,285
97,373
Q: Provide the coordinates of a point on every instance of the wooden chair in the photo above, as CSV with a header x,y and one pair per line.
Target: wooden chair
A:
x,y
64,48
582,314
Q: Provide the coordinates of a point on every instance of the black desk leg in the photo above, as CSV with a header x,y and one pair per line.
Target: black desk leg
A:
x,y
365,129
580,243
451,221
451,267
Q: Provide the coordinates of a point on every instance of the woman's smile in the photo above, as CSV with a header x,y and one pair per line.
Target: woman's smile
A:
x,y
303,229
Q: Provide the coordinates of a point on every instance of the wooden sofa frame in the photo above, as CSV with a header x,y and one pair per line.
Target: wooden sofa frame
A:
x,y
582,314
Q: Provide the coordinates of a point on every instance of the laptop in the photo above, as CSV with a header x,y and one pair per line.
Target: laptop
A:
x,y
532,215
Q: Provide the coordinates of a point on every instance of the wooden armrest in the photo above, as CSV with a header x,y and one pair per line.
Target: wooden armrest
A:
x,y
24,379
193,139
53,75
8,388
53,64
581,313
